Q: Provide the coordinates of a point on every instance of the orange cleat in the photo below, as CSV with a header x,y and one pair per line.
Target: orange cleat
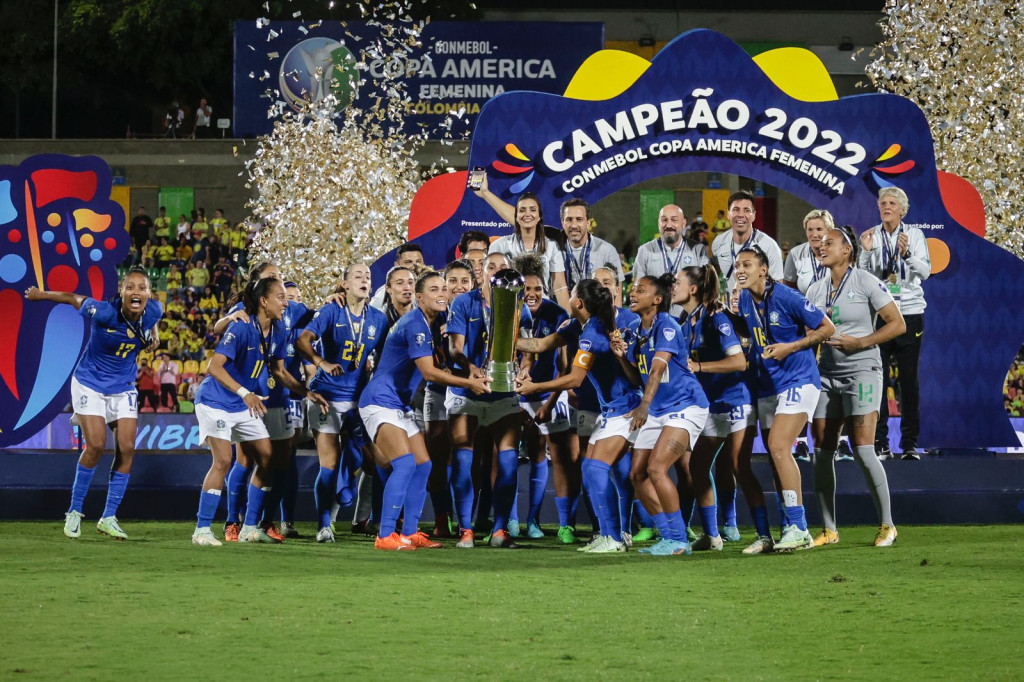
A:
x,y
393,543
271,530
231,532
421,541
467,540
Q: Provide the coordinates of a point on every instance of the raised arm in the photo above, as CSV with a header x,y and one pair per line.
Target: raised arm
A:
x,y
36,294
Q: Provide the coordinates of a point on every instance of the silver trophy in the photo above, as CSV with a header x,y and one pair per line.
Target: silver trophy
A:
x,y
503,329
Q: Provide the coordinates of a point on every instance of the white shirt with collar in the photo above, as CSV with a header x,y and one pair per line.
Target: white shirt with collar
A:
x,y
601,252
650,257
910,272
723,248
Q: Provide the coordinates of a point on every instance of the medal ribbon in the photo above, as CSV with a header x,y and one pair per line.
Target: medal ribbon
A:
x,y
734,251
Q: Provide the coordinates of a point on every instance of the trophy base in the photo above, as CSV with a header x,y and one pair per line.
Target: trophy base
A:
x,y
503,376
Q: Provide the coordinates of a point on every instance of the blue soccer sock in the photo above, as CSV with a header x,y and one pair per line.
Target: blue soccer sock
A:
x,y
761,525
290,491
513,512
794,513
209,500
676,526
564,509
729,507
235,484
645,519
538,486
395,490
462,484
115,492
415,497
83,477
624,489
323,494
612,500
254,509
709,519
505,487
660,521
597,478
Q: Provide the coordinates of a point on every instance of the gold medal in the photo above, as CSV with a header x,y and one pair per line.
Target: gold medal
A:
x,y
892,278
271,383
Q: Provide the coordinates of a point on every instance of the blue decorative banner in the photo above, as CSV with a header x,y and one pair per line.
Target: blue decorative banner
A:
x,y
459,66
703,104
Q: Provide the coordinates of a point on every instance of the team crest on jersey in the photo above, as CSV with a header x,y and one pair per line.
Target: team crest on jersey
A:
x,y
545,330
669,333
371,331
809,306
229,337
585,344
773,318
91,310
420,338
725,329
273,347
883,287
687,259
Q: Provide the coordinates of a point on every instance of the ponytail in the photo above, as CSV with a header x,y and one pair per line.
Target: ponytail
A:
x,y
663,285
255,289
598,302
705,278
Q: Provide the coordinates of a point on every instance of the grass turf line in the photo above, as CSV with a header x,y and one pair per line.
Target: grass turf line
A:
x,y
945,602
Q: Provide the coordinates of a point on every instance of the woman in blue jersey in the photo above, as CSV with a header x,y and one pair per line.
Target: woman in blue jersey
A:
x,y
671,413
591,306
784,327
385,406
467,346
851,377
296,407
549,427
349,333
103,388
247,365
718,360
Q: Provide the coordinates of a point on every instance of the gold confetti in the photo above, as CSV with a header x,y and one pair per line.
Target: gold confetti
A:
x,y
959,62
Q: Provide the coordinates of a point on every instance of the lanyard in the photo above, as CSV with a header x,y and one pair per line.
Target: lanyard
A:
x,y
761,312
264,346
819,269
832,294
695,318
357,327
134,331
578,269
671,266
522,244
734,251
891,252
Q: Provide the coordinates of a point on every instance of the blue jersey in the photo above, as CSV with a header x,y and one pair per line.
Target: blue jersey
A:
x,y
296,317
546,321
397,377
615,392
249,355
781,318
439,331
710,339
347,340
586,396
679,388
108,364
468,317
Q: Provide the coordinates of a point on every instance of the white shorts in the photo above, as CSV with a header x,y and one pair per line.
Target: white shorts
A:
x,y
236,427
433,407
586,422
375,416
279,423
558,419
724,424
331,420
111,407
609,427
486,413
797,400
691,419
297,412
849,396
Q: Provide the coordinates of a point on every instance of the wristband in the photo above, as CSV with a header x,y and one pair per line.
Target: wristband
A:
x,y
242,392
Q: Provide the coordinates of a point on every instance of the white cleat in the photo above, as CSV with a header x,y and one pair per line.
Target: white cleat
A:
x,y
73,524
886,536
594,541
108,526
256,534
606,545
325,534
205,538
764,544
794,538
628,539
706,542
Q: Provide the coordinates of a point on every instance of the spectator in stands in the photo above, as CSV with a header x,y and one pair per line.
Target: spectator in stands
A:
x,y
147,385
162,223
200,228
141,230
197,277
184,227
721,225
173,121
219,224
699,229
163,254
193,388
174,282
223,278
215,251
175,307
209,303
183,253
167,375
204,117
164,333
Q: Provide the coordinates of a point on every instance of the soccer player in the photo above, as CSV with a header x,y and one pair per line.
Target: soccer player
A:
x,y
296,407
348,332
103,388
851,377
671,413
717,359
592,307
548,427
468,327
408,256
777,319
386,409
248,362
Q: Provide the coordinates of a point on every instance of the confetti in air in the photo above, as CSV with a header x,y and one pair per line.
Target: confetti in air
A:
x,y
959,61
333,190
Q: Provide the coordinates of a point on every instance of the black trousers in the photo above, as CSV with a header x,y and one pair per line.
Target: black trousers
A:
x,y
906,351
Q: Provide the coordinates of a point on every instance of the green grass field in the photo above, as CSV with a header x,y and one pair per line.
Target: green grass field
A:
x,y
945,602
